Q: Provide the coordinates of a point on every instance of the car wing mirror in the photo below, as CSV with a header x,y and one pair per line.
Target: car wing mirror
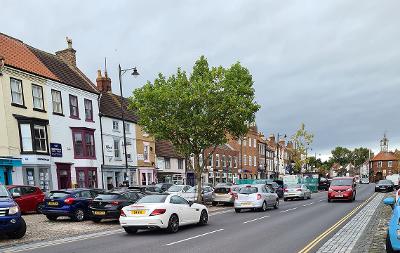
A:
x,y
389,201
191,203
16,195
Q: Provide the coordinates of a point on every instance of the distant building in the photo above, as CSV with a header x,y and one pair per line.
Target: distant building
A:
x,y
385,162
170,165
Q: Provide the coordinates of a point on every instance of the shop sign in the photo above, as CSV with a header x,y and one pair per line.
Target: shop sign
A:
x,y
55,150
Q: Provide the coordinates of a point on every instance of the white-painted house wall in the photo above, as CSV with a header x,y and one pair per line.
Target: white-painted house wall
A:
x,y
61,130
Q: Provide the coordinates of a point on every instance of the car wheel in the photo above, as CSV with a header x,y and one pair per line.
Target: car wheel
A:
x,y
238,210
203,218
96,220
276,206
264,207
329,200
173,224
285,199
20,232
130,230
214,203
39,207
51,217
79,215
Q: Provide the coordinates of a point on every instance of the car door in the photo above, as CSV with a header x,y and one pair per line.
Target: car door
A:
x,y
177,207
190,212
84,198
267,193
20,199
29,198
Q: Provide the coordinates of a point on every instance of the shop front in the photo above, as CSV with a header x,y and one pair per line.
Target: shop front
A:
x,y
146,176
170,177
7,166
36,171
116,176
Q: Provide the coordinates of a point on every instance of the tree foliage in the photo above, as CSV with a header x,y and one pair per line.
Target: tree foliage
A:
x,y
341,156
198,110
302,139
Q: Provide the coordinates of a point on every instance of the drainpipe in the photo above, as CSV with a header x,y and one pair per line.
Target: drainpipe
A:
x,y
102,144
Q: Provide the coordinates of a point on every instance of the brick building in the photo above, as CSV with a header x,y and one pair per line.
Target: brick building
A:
x,y
385,162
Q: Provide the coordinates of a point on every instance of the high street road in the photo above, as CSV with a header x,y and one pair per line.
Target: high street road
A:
x,y
288,229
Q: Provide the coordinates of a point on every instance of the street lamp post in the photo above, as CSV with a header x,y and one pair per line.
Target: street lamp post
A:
x,y
121,72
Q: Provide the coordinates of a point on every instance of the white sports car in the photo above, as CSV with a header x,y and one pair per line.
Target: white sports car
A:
x,y
162,211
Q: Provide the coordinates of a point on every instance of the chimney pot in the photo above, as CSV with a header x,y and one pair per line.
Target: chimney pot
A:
x,y
69,54
103,82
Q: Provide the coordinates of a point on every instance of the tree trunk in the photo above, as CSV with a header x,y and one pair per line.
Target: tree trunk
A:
x,y
198,170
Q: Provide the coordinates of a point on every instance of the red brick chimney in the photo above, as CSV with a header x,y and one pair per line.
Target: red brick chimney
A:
x,y
103,82
69,54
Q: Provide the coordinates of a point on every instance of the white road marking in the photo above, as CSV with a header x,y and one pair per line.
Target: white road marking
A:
x,y
321,200
194,237
308,204
255,219
291,209
227,211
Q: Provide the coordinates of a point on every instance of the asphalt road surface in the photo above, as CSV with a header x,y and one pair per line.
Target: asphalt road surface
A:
x,y
287,229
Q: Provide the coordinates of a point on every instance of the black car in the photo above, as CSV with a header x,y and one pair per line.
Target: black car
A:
x,y
384,186
323,184
108,205
277,188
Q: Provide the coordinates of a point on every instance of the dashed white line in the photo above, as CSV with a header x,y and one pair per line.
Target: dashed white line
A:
x,y
194,237
255,219
309,204
291,209
221,212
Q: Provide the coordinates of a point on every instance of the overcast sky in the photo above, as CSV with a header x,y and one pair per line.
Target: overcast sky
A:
x,y
334,65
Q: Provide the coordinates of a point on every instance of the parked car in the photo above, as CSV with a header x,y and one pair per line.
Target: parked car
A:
x,y
392,239
29,198
207,194
343,188
384,186
108,205
73,203
323,184
178,189
395,178
364,180
162,211
11,222
278,189
224,184
262,181
256,197
296,191
223,195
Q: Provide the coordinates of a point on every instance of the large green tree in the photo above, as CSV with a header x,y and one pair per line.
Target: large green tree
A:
x,y
302,139
198,110
359,156
341,156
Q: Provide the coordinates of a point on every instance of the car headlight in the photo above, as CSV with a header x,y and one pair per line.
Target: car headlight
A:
x,y
13,210
349,190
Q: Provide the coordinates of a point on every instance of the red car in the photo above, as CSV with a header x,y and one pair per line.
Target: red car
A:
x,y
29,198
342,188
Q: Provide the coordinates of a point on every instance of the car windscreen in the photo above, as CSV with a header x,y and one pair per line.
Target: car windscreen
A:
x,y
193,189
291,186
385,182
342,182
223,190
152,199
248,190
3,192
235,188
175,188
58,194
109,196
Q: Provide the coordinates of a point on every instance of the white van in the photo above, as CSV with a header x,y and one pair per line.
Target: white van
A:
x,y
395,179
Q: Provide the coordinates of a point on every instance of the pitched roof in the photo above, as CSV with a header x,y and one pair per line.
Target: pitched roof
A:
x,y
385,156
110,105
18,55
166,149
26,58
65,73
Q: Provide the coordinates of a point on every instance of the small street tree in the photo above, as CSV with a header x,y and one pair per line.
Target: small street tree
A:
x,y
301,141
198,110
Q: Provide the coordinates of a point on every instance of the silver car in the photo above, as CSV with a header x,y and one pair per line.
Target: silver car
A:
x,y
178,189
207,194
224,194
296,191
256,197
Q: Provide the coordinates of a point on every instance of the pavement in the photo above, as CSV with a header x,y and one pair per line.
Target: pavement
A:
x,y
294,227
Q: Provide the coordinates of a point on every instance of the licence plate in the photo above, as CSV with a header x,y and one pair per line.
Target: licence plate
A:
x,y
339,195
138,212
246,204
52,203
99,212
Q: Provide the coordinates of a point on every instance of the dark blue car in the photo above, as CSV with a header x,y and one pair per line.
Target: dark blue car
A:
x,y
11,222
73,203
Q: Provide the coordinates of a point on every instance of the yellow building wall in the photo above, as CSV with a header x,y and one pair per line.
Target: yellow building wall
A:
x,y
141,138
9,132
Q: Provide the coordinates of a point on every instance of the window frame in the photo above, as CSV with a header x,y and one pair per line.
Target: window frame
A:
x,y
167,161
61,102
115,129
33,98
117,149
70,107
32,123
180,164
91,110
83,132
22,93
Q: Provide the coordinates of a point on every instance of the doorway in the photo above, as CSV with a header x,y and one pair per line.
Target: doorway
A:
x,y
64,175
6,175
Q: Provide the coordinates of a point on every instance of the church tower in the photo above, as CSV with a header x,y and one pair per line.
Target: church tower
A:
x,y
384,144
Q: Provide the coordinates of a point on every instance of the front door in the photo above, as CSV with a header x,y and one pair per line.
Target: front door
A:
x,y
6,175
64,176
